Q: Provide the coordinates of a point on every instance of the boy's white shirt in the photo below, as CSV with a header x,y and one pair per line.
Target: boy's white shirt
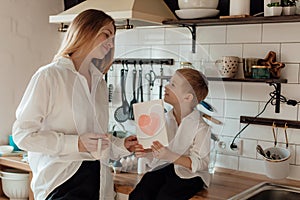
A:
x,y
192,139
48,129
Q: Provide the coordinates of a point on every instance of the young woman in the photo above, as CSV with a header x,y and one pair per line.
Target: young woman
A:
x,y
63,116
179,170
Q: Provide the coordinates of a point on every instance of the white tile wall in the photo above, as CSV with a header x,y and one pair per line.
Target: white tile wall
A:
x,y
233,99
289,52
260,50
287,32
251,165
256,91
244,33
234,109
217,51
178,36
291,72
211,35
29,41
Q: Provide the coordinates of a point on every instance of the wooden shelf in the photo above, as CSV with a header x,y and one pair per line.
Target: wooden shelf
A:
x,y
191,24
233,21
272,82
247,80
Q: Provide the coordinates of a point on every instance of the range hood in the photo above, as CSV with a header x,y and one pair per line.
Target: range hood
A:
x,y
125,12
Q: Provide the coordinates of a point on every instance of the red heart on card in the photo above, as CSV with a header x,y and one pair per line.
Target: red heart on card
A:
x,y
149,124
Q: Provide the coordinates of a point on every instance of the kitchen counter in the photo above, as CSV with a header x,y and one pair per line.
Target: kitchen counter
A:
x,y
225,183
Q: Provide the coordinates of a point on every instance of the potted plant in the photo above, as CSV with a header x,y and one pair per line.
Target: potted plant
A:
x,y
288,7
273,9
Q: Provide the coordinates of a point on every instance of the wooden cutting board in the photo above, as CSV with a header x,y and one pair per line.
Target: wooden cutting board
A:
x,y
234,16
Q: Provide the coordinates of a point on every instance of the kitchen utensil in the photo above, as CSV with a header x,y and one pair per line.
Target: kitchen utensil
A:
x,y
260,150
140,86
150,77
121,133
212,119
110,92
285,134
161,84
274,134
134,100
122,112
196,13
207,106
161,81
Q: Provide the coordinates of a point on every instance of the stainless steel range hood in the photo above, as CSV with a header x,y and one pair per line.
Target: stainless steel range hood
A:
x,y
138,12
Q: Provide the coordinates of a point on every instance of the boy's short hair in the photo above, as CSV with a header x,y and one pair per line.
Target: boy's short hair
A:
x,y
197,81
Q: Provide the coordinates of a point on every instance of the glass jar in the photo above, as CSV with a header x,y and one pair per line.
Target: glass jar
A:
x,y
186,65
260,72
212,155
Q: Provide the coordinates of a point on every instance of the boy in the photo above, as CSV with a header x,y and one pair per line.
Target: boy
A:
x,y
179,170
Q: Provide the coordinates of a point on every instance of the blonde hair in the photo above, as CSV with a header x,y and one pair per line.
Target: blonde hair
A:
x,y
197,81
83,30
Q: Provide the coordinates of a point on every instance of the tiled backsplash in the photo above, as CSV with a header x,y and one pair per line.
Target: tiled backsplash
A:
x,y
30,42
230,99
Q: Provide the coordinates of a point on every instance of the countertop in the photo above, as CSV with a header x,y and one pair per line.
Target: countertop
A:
x,y
225,183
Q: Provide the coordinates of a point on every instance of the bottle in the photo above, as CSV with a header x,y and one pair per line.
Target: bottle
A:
x,y
141,166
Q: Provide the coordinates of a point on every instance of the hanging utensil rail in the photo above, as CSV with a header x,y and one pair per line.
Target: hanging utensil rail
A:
x,y
143,61
270,122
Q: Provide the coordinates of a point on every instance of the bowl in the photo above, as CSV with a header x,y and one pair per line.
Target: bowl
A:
x,y
6,149
188,4
15,185
196,13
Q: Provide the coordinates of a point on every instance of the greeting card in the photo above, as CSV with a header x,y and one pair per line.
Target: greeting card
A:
x,y
150,123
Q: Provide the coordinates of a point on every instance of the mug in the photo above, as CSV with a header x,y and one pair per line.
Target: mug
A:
x,y
228,66
12,143
247,66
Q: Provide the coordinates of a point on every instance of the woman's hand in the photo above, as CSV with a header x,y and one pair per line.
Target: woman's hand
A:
x,y
130,143
140,152
88,142
162,152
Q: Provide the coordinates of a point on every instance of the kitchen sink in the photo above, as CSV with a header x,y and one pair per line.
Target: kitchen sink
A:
x,y
269,191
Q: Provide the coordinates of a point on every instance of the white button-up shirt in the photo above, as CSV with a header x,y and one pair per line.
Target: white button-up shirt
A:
x,y
57,107
191,138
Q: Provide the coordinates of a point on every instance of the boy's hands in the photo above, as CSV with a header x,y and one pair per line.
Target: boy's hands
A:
x,y
162,152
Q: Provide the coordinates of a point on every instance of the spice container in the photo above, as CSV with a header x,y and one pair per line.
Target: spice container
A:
x,y
186,65
260,72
